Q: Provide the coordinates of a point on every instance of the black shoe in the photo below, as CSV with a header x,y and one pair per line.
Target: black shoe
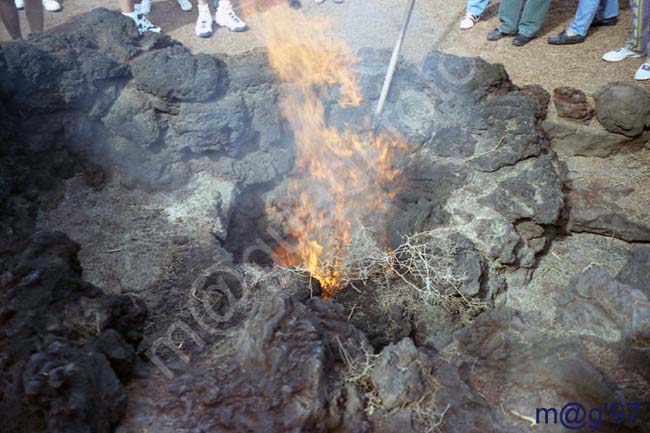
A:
x,y
604,22
564,39
521,40
497,34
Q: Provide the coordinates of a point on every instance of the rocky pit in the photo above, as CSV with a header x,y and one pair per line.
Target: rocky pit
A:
x,y
144,193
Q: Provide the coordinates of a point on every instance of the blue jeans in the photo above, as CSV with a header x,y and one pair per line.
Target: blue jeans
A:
x,y
588,10
477,7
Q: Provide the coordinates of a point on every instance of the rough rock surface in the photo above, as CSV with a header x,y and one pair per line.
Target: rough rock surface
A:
x,y
609,197
623,108
572,103
636,272
125,112
66,346
572,139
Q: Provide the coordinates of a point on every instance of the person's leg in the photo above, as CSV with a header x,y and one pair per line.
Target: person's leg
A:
x,y
477,7
34,12
225,16
9,17
141,21
533,16
608,9
638,29
585,14
634,47
203,27
509,16
643,73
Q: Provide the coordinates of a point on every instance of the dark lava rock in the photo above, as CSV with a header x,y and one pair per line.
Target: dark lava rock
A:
x,y
517,368
594,303
572,103
623,108
174,74
65,345
538,94
595,209
273,375
636,272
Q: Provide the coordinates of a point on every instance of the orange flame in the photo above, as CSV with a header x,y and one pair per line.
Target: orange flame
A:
x,y
342,176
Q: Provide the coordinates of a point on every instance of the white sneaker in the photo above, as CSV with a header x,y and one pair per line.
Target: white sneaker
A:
x,y
643,73
52,5
20,4
185,5
620,55
319,2
145,7
226,17
203,28
468,21
142,22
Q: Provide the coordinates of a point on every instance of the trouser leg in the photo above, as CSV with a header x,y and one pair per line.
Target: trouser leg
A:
x,y
585,14
477,7
533,16
640,25
509,12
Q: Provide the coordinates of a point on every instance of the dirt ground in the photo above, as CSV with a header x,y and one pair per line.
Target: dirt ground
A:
x,y
366,23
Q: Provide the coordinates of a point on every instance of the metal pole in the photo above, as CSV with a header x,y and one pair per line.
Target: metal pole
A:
x,y
392,65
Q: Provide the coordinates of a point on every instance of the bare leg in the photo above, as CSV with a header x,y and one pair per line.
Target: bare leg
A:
x,y
34,12
9,16
127,5
203,2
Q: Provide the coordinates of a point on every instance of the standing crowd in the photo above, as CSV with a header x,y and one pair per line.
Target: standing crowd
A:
x,y
523,19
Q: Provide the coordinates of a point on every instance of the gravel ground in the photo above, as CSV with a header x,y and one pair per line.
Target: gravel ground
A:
x,y
366,23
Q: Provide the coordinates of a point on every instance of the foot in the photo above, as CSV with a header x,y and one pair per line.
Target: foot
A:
x,y
643,73
142,22
620,55
497,34
566,38
145,7
598,22
468,21
226,17
203,28
185,5
521,40
51,5
20,4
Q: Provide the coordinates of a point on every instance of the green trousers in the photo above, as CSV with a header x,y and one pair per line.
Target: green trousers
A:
x,y
528,22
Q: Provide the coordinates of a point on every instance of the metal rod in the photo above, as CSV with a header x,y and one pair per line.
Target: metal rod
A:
x,y
392,65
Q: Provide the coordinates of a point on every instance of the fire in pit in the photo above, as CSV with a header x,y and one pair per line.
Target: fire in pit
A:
x,y
343,177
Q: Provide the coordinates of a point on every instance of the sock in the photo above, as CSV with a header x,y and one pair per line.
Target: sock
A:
x,y
132,15
570,33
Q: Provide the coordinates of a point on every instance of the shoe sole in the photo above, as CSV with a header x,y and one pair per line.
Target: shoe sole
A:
x,y
636,56
239,30
565,42
204,35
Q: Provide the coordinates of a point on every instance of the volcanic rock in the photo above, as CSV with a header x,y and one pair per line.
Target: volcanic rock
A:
x,y
623,108
636,272
571,139
538,94
65,344
572,103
